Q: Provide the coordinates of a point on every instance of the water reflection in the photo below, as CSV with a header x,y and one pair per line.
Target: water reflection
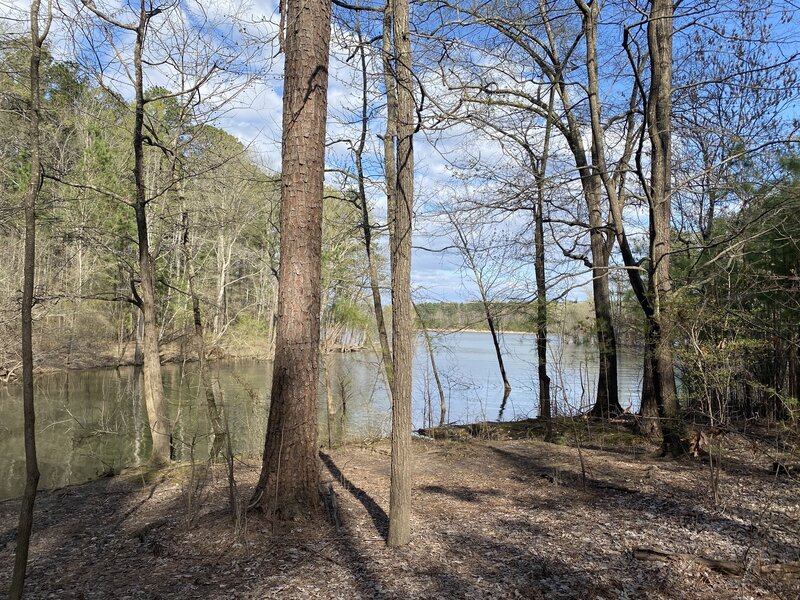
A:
x,y
92,422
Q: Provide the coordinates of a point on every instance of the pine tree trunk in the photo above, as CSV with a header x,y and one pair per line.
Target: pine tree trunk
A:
x,y
289,481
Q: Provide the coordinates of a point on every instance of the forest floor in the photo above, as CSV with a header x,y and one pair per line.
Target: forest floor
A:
x,y
491,519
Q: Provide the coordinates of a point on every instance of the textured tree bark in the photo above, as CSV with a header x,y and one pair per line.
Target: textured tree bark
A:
x,y
289,481
34,185
607,402
138,354
545,409
153,389
607,399
615,190
402,320
650,423
658,116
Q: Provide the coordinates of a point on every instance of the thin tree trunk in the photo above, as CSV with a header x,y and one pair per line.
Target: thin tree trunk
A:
x,y
437,379
223,263
374,281
402,321
487,308
289,481
545,410
326,374
34,186
390,136
138,352
209,387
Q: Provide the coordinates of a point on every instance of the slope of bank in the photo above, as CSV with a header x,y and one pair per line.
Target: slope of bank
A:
x,y
492,519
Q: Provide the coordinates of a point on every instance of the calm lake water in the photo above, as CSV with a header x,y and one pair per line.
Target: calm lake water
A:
x,y
93,422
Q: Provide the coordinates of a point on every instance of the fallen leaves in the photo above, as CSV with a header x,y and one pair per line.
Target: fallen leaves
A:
x,y
486,524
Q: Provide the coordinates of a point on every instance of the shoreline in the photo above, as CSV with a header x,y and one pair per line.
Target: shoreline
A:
x,y
169,358
472,330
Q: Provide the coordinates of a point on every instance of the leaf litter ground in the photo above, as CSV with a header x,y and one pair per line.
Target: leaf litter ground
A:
x,y
491,519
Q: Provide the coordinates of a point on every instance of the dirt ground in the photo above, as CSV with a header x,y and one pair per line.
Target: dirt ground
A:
x,y
492,519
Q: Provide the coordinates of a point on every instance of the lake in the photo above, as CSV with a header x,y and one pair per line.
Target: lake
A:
x,y
92,422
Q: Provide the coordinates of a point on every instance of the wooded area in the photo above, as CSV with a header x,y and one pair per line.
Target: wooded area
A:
x,y
618,175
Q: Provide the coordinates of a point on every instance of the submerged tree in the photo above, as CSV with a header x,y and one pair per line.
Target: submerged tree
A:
x,y
474,261
545,36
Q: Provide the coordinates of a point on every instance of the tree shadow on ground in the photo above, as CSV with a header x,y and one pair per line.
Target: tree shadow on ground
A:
x,y
462,493
469,564
660,506
376,513
134,542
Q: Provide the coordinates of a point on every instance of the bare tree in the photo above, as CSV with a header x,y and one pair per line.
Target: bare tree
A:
x,y
546,35
183,47
153,388
38,37
659,195
366,225
400,246
434,368
210,385
289,481
472,262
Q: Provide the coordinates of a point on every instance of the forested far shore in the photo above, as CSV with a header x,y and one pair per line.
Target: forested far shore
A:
x,y
80,334
570,320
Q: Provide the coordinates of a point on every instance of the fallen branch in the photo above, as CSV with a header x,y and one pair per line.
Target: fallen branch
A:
x,y
722,566
786,570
